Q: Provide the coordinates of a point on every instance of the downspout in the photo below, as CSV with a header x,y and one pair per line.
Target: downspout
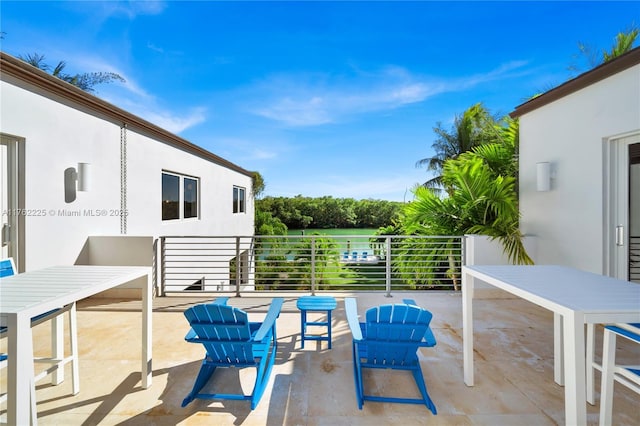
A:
x,y
123,179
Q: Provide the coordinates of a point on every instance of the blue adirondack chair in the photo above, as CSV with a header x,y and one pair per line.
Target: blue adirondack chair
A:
x,y
230,340
7,268
612,371
389,339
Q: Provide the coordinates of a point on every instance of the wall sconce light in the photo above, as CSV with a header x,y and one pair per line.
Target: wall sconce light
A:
x,y
83,176
543,176
76,180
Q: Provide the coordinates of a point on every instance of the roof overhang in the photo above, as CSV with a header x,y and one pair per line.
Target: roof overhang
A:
x,y
586,79
32,76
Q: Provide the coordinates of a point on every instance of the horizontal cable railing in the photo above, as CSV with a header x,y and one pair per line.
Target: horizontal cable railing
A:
x,y
634,259
310,263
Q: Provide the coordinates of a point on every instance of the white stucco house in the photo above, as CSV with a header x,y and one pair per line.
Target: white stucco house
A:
x,y
580,170
83,181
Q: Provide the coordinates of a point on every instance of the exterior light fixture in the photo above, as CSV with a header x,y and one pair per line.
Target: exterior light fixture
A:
x,y
543,176
83,176
76,179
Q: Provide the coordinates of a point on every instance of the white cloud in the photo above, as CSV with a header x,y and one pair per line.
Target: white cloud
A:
x,y
507,70
155,48
132,97
314,99
262,154
249,150
132,8
88,63
174,123
297,112
97,11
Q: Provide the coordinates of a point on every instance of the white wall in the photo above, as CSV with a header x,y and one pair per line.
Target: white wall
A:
x,y
58,136
147,160
482,250
569,133
120,250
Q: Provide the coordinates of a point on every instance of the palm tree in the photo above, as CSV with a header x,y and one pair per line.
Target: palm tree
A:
x,y
469,130
482,199
85,81
480,203
623,43
501,156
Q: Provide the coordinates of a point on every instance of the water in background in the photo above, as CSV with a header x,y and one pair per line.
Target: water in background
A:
x,y
358,243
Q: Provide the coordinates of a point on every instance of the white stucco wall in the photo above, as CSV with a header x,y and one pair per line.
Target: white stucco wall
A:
x,y
569,133
482,250
58,136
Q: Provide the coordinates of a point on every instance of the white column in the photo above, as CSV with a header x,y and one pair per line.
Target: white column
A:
x,y
467,326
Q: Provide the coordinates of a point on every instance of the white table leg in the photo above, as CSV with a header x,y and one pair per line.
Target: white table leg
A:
x,y
558,360
591,366
575,403
607,377
467,327
147,356
20,370
57,348
73,340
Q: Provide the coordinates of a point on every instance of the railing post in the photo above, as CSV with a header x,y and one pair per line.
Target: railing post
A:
x,y
162,266
251,268
388,266
238,267
313,266
463,251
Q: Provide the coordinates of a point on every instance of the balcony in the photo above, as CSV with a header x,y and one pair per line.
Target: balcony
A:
x,y
513,353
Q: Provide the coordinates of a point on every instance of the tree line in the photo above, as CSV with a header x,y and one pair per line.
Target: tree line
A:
x,y
325,212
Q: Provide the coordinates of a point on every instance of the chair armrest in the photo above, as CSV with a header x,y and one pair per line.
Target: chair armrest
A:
x,y
270,319
191,335
429,339
351,310
220,300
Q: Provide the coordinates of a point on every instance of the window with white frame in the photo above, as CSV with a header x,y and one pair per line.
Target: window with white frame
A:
x,y
239,199
180,196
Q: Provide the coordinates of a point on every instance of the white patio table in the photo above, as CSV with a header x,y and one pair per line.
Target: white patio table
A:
x,y
575,297
24,296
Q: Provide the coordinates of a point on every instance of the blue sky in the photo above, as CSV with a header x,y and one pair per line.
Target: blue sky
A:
x,y
322,98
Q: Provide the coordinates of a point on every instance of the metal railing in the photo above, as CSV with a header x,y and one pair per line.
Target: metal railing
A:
x,y
634,259
309,263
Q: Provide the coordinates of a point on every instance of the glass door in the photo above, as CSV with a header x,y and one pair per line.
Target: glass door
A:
x,y
9,213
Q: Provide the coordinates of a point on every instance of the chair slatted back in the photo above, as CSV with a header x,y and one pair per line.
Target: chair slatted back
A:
x,y
393,334
225,333
7,268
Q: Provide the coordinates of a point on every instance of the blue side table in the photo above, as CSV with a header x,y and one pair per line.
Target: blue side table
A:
x,y
316,304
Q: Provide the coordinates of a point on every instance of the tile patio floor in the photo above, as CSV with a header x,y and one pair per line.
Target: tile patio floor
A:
x,y
314,386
